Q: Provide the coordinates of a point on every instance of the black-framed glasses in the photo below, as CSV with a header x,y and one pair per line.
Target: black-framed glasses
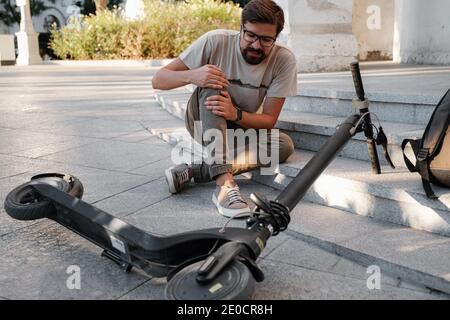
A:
x,y
251,37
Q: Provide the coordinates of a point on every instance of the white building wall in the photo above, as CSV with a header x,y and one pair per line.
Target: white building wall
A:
x,y
422,31
320,33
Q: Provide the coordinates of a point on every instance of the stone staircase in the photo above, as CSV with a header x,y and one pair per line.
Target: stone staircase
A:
x,y
407,234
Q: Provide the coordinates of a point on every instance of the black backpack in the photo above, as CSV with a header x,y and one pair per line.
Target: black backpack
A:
x,y
433,150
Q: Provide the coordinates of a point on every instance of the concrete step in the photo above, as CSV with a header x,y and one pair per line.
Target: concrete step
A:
x,y
408,254
413,109
310,131
420,257
175,103
394,196
398,92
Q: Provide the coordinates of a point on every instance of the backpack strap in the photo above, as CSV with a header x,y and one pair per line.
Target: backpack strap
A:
x,y
421,166
424,171
415,146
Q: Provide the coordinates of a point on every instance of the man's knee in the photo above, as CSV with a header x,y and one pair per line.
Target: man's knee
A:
x,y
286,147
205,93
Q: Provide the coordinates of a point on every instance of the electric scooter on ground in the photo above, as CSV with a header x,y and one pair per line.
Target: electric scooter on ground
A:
x,y
216,263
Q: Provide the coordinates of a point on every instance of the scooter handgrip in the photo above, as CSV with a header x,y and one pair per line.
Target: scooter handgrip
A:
x,y
357,81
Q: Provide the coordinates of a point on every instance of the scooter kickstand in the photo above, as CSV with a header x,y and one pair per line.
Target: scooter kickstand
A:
x,y
125,266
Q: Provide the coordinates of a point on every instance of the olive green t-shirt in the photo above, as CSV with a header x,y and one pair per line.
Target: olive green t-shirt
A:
x,y
276,76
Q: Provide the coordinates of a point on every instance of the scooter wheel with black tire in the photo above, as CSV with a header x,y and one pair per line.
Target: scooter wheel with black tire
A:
x,y
25,203
235,282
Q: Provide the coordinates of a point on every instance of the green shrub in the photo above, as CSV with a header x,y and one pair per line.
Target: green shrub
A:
x,y
164,32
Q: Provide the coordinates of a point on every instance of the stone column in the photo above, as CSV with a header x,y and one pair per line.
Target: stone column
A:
x,y
422,32
100,5
320,34
134,9
27,39
373,27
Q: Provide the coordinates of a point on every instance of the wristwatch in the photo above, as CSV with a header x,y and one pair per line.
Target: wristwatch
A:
x,y
239,114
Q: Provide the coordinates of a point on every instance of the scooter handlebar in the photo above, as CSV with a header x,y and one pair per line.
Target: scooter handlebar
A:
x,y
356,73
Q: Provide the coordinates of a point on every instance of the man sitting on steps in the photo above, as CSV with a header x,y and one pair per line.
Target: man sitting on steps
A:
x,y
235,73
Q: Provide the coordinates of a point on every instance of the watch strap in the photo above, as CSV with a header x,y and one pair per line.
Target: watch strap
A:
x,y
239,114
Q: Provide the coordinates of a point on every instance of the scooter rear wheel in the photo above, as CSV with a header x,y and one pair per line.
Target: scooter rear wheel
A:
x,y
234,283
25,203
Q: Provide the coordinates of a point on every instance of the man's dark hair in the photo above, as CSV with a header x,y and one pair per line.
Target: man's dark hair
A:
x,y
263,11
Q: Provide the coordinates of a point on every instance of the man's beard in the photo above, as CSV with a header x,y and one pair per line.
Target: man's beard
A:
x,y
253,59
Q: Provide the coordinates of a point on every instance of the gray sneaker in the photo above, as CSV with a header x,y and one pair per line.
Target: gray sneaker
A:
x,y
177,177
229,202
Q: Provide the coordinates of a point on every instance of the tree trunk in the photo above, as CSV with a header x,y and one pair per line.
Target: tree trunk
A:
x,y
100,5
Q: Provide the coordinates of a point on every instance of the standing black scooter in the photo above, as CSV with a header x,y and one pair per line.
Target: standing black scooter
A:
x,y
216,263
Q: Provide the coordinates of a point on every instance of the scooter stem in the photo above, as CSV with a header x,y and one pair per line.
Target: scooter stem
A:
x,y
297,188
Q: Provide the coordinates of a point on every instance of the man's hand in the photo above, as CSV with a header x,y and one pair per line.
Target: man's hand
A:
x,y
209,76
221,105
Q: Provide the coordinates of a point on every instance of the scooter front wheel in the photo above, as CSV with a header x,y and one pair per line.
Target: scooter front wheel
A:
x,y
235,282
25,203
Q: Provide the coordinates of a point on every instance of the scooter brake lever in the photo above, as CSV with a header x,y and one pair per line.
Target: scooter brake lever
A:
x,y
215,263
261,202
382,140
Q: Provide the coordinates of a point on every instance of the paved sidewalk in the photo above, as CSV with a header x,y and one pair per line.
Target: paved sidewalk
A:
x,y
91,122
